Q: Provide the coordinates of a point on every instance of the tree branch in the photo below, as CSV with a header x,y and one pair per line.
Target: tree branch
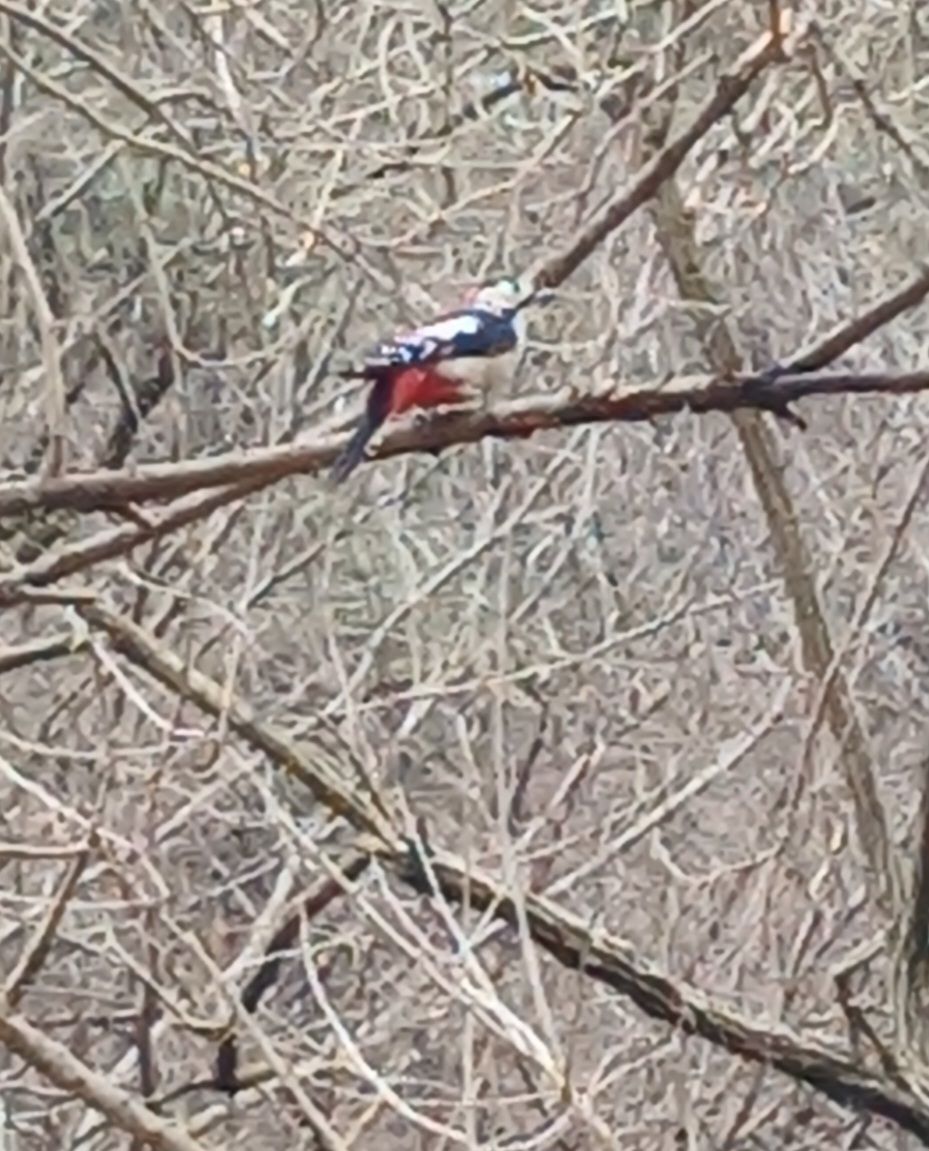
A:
x,y
227,1056
56,407
730,88
677,237
914,953
608,960
851,332
321,774
74,1077
518,419
38,651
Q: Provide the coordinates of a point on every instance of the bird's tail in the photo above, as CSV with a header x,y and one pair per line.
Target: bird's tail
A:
x,y
353,452
374,415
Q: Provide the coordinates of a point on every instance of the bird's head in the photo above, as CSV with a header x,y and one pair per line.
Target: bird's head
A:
x,y
500,296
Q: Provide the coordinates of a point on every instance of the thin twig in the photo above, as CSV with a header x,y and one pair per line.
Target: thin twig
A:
x,y
56,406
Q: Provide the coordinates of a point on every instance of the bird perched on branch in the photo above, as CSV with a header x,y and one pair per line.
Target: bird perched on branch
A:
x,y
455,359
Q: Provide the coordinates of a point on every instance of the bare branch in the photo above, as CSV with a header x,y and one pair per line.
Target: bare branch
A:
x,y
95,491
72,1076
731,87
36,952
320,775
122,83
37,651
677,236
854,331
564,936
605,959
284,939
915,947
56,406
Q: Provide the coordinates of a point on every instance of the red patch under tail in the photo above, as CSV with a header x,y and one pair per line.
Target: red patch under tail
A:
x,y
391,395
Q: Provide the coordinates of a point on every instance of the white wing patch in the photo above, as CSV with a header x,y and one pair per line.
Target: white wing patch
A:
x,y
444,331
422,342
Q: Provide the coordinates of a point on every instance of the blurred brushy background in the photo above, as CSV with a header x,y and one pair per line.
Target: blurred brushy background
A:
x,y
669,675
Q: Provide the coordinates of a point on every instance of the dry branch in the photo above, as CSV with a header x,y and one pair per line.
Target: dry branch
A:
x,y
96,491
610,961
320,773
677,237
95,60
731,87
118,541
37,651
914,958
72,1076
37,950
208,170
45,321
265,977
854,331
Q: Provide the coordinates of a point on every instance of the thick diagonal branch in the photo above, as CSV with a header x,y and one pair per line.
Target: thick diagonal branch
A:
x,y
318,772
730,88
913,964
607,960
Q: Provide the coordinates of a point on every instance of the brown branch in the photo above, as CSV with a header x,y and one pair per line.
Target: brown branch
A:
x,y
38,651
35,954
73,1077
854,331
95,491
204,167
266,976
51,566
919,922
90,56
610,961
730,88
914,956
138,403
45,322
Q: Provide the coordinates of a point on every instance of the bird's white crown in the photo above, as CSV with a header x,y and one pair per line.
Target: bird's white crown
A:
x,y
500,296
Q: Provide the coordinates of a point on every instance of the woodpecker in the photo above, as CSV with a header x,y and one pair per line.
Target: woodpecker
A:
x,y
460,355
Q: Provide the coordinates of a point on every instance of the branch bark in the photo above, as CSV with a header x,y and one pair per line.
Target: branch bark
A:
x,y
320,773
74,1077
285,938
518,419
913,976
45,322
608,960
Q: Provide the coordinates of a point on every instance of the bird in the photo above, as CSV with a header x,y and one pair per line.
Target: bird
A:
x,y
460,355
